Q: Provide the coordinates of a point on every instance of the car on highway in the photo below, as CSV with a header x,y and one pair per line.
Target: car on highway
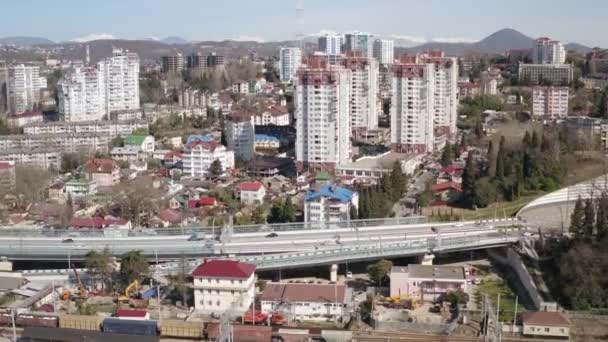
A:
x,y
197,237
272,235
434,229
80,247
349,275
68,240
459,225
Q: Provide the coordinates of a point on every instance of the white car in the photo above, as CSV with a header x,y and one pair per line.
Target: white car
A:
x,y
349,275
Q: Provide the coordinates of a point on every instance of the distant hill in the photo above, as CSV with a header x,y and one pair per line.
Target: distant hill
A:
x,y
174,40
25,41
580,48
496,43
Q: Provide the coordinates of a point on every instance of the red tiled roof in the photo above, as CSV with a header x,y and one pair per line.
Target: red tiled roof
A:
x,y
6,165
27,115
100,166
546,318
250,186
201,202
170,215
446,186
303,293
224,269
173,154
88,222
131,313
278,110
206,145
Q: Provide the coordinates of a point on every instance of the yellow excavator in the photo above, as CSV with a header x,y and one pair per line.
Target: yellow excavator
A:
x,y
128,291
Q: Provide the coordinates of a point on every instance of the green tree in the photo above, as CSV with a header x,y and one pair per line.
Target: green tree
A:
x,y
379,270
398,182
353,214
601,223
276,212
469,190
501,159
288,212
535,142
100,265
490,156
216,168
446,155
589,220
258,216
133,266
527,140
117,142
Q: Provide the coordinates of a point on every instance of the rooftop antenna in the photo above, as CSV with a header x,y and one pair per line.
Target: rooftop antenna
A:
x,y
300,24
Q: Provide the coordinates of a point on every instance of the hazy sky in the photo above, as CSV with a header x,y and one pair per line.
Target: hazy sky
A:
x,y
583,21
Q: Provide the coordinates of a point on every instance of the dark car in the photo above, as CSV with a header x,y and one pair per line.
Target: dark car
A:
x,y
272,235
68,241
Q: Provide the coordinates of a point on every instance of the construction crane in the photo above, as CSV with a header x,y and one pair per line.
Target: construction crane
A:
x,y
133,286
82,291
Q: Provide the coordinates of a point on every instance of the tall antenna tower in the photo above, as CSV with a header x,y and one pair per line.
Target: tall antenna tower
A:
x,y
300,24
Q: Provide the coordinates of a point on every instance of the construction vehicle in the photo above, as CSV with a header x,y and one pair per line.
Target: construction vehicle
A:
x,y
130,289
82,291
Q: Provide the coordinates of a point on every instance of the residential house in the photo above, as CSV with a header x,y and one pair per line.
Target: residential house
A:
x,y
546,324
330,204
223,285
275,115
145,142
426,282
240,87
105,172
80,188
127,153
448,192
252,193
23,119
304,301
203,202
199,155
170,217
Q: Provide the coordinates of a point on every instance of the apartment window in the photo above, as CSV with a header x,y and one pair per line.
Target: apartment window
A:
x,y
210,303
217,303
547,330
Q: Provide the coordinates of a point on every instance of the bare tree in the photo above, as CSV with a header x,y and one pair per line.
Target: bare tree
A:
x,y
32,184
137,199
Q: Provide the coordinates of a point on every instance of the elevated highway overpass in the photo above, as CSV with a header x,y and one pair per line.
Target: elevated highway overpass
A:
x,y
264,241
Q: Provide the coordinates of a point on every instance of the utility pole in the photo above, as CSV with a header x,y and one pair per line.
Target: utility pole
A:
x,y
514,315
14,328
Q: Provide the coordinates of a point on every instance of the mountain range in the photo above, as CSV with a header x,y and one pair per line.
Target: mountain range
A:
x,y
153,48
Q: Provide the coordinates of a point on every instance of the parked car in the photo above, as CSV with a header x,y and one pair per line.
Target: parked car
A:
x,y
272,235
68,240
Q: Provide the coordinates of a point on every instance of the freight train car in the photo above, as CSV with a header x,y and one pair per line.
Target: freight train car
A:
x,y
242,333
28,320
182,329
89,323
130,327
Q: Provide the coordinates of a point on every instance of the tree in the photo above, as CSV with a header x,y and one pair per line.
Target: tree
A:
x,y
289,212
446,155
398,181
500,159
258,216
216,168
588,220
601,223
490,156
31,184
133,266
118,142
352,213
535,142
276,212
136,200
469,191
100,265
379,270
527,140
68,211
71,161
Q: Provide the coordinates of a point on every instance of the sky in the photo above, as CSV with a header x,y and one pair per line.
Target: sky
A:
x,y
581,21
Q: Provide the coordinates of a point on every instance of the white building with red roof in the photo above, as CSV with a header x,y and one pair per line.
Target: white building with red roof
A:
x,y
275,115
105,172
546,324
199,155
223,285
252,193
20,120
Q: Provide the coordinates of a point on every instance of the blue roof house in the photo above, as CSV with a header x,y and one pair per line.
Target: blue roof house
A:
x,y
330,204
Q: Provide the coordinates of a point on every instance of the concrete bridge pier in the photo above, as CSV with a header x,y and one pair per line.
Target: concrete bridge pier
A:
x,y
333,273
427,259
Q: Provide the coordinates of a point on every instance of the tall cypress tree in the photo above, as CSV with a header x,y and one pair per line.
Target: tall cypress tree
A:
x,y
500,159
601,223
469,191
576,219
491,168
398,182
589,220
446,155
535,140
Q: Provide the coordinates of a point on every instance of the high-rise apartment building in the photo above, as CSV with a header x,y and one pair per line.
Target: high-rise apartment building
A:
x,y
548,51
82,95
240,134
384,51
291,59
173,64
322,104
331,44
550,102
446,91
196,61
359,41
363,89
413,106
23,88
90,93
